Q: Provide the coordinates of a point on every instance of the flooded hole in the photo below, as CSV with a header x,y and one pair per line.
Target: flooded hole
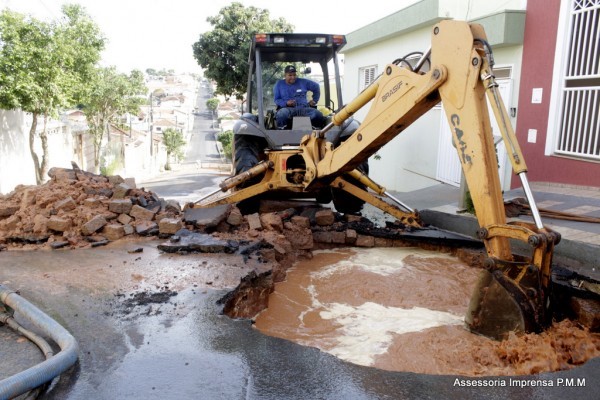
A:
x,y
402,309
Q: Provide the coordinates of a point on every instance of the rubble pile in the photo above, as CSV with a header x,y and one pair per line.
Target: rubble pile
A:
x,y
80,209
280,234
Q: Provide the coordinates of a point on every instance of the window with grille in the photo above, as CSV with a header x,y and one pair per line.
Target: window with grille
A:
x,y
579,123
366,76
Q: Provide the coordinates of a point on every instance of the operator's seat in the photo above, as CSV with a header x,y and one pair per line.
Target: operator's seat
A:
x,y
302,123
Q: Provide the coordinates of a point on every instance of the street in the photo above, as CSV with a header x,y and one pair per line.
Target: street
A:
x,y
202,146
149,326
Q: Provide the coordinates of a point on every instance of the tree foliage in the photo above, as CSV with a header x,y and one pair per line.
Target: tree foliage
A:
x,y
212,104
109,95
223,51
174,142
226,139
44,65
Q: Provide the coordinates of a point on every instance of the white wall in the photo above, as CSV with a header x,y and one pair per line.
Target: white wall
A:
x,y
409,162
16,165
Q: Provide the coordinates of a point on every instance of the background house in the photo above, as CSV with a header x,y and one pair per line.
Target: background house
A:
x,y
524,42
125,151
559,113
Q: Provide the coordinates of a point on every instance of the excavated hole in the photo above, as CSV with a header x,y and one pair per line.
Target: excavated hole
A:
x,y
399,309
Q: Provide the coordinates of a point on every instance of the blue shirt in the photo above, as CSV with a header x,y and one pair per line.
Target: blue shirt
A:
x,y
296,91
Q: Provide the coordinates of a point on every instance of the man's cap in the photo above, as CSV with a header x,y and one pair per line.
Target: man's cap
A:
x,y
290,68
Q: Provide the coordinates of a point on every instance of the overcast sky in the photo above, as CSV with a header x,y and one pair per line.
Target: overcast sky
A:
x,y
159,33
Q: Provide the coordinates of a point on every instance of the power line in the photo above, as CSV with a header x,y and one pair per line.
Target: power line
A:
x,y
48,8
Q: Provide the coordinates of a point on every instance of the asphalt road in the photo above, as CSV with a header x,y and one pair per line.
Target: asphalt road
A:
x,y
181,347
202,146
149,327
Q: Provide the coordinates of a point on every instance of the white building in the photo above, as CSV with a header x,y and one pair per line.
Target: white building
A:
x,y
423,155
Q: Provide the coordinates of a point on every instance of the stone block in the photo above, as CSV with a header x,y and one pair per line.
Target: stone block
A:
x,y
351,236
322,237
299,238
59,224
40,224
146,227
128,229
172,206
271,221
141,214
124,219
115,179
93,225
120,191
365,241
120,206
113,231
254,222
130,182
383,242
169,225
206,217
302,222
62,174
338,237
92,202
235,217
324,217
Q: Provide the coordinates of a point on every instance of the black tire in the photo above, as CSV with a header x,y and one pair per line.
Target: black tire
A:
x,y
346,203
247,153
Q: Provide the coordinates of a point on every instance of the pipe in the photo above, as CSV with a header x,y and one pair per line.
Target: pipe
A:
x,y
529,195
39,341
47,370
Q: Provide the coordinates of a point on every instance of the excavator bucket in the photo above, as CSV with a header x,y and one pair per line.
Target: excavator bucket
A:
x,y
509,299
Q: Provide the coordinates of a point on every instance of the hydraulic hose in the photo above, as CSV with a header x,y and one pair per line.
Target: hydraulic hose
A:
x,y
47,370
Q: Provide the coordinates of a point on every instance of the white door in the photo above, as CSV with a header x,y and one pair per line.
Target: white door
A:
x,y
448,167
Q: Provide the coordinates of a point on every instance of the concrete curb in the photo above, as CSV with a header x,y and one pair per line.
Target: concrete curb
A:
x,y
586,254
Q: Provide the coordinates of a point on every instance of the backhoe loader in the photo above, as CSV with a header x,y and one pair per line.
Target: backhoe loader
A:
x,y
513,293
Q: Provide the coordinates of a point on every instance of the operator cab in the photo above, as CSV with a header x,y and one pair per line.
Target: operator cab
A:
x,y
315,57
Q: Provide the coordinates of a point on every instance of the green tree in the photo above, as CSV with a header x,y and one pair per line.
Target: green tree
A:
x,y
226,139
44,67
223,51
110,95
212,104
174,142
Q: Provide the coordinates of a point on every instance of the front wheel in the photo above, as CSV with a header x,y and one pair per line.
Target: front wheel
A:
x,y
247,152
346,203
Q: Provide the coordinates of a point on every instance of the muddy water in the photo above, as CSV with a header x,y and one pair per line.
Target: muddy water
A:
x,y
402,309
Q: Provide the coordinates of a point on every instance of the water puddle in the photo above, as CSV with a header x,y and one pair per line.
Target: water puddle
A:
x,y
402,309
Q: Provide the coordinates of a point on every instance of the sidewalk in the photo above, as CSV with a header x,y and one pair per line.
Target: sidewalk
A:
x,y
579,201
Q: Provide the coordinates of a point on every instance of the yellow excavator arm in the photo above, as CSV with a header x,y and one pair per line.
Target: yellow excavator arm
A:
x,y
513,292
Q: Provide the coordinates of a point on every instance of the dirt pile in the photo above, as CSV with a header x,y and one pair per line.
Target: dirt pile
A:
x,y
563,346
79,209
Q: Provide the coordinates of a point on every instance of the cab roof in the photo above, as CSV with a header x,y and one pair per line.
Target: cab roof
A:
x,y
296,47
